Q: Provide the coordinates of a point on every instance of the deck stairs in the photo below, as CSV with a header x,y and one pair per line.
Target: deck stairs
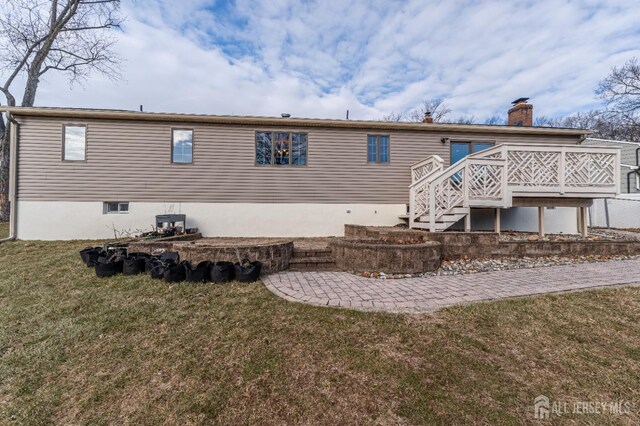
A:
x,y
440,197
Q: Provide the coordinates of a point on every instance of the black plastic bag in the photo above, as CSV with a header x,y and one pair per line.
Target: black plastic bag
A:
x,y
247,272
170,256
222,272
200,274
133,265
108,266
90,255
174,273
155,267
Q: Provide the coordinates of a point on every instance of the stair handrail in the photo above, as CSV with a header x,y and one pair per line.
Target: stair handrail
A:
x,y
447,174
424,167
499,148
421,174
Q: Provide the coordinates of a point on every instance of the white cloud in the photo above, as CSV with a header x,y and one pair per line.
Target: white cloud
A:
x,y
318,59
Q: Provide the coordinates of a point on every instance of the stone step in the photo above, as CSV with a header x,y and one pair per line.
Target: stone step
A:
x,y
312,264
314,252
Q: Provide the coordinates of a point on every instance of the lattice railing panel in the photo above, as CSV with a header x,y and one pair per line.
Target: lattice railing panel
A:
x,y
485,181
421,201
533,168
425,167
583,169
449,193
422,171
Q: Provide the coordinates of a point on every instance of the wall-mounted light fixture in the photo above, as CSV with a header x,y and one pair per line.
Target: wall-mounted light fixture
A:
x,y
445,140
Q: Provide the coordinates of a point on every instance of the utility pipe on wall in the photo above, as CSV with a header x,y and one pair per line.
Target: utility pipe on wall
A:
x,y
14,128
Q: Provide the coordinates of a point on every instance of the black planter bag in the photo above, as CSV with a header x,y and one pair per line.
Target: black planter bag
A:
x,y
200,274
133,265
108,267
90,255
222,272
170,256
155,267
248,274
174,273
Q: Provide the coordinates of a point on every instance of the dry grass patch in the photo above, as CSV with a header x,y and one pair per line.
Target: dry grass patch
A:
x,y
130,350
4,229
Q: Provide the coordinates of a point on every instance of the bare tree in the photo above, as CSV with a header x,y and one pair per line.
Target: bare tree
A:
x,y
621,91
41,36
394,117
495,120
437,107
603,123
464,120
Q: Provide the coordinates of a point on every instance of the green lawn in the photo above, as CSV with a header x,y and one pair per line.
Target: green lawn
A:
x,y
79,350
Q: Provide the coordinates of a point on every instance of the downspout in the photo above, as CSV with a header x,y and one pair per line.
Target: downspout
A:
x,y
636,171
13,177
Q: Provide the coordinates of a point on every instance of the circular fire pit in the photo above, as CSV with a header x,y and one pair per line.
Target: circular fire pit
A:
x,y
386,255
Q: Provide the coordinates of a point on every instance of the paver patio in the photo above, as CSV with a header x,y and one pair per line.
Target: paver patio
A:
x,y
411,295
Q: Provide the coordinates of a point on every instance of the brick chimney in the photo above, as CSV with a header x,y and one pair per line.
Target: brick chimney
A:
x,y
427,117
521,114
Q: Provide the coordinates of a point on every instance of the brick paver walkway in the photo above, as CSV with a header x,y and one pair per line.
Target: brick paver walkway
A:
x,y
427,294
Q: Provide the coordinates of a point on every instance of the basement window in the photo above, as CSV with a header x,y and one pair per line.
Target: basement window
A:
x,y
115,207
74,143
281,149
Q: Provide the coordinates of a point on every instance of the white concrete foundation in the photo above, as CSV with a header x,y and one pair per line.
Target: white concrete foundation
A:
x,y
38,220
558,220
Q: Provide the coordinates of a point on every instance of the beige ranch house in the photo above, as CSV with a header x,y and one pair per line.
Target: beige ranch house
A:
x,y
81,174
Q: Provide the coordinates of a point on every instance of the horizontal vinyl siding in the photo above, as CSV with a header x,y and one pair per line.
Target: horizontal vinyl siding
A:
x,y
131,161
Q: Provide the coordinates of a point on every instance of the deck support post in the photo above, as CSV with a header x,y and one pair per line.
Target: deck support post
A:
x,y
584,229
541,221
467,222
496,226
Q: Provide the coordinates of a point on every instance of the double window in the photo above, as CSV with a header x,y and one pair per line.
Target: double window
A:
x,y
378,148
74,146
281,148
182,146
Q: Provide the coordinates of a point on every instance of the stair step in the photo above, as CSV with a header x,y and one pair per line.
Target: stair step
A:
x,y
315,252
312,264
425,225
450,219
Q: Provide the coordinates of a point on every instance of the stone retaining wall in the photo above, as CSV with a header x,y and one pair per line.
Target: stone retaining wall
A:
x,y
483,245
369,255
273,256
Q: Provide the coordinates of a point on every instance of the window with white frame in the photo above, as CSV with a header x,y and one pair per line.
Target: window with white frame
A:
x,y
182,146
74,143
115,207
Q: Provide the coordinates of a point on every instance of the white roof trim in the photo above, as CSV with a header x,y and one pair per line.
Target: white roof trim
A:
x,y
612,140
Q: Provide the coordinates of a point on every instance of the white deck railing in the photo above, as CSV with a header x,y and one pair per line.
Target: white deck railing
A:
x,y
491,178
422,168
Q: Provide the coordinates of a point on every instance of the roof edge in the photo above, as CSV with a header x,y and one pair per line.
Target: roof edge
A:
x,y
277,121
614,141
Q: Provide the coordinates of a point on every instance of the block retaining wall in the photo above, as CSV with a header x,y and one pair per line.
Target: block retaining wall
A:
x,y
483,245
273,256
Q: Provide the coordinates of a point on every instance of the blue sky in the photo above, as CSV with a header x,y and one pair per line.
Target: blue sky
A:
x,y
320,58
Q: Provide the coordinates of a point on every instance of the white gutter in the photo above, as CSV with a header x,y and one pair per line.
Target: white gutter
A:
x,y
14,128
